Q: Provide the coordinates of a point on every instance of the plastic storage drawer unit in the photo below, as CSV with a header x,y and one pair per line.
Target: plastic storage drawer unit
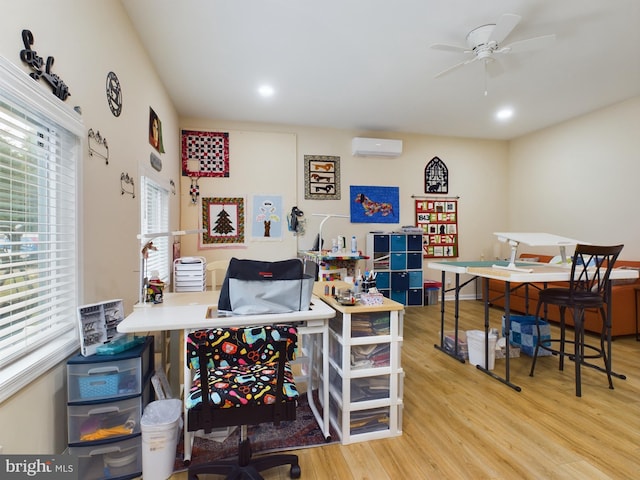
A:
x,y
102,421
105,377
104,380
121,459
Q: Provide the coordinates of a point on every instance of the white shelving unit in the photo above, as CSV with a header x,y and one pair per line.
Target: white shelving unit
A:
x,y
365,371
189,274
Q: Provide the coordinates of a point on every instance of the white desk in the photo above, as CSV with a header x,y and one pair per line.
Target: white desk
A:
x,y
188,311
529,273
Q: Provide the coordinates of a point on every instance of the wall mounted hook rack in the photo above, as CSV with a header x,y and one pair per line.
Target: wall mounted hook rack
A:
x,y
99,141
127,185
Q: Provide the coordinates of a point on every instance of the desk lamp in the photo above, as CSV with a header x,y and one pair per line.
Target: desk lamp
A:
x,y
326,216
146,245
534,239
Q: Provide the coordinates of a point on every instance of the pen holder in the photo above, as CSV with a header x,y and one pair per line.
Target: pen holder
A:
x,y
367,285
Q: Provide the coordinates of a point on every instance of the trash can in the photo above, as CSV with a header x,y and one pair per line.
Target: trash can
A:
x,y
431,292
160,424
475,344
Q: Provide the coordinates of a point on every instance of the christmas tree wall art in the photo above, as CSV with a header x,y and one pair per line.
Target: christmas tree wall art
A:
x,y
223,221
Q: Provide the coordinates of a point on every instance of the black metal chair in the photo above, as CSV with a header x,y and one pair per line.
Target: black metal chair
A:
x,y
589,288
241,376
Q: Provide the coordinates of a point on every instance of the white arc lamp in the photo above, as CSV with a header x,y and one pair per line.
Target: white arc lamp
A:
x,y
146,240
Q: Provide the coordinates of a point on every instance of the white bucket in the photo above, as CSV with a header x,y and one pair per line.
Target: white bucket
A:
x,y
160,425
475,343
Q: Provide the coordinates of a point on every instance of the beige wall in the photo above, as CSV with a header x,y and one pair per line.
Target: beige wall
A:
x,y
580,178
477,174
87,40
261,163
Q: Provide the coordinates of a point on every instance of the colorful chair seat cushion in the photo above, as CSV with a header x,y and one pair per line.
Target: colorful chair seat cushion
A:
x,y
240,386
242,365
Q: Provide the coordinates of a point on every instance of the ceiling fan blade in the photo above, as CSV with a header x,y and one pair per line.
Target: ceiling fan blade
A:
x,y
455,67
449,47
504,27
529,44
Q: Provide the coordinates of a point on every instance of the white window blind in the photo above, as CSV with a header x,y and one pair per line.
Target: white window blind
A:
x,y
155,220
40,148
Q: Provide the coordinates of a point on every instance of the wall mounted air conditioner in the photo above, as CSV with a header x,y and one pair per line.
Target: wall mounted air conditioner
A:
x,y
376,147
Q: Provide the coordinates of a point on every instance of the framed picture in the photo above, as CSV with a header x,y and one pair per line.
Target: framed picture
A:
x,y
155,131
223,221
205,154
374,204
266,217
321,177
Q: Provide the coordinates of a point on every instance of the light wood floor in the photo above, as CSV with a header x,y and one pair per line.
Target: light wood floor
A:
x,y
459,423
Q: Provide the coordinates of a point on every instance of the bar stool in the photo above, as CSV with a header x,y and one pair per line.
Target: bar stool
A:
x,y
589,288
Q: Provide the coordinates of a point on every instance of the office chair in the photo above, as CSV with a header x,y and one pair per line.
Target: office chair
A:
x,y
589,288
240,376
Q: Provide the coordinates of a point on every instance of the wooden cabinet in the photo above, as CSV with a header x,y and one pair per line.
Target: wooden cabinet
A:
x,y
365,371
397,260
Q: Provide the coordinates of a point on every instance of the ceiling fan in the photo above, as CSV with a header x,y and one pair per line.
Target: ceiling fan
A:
x,y
486,42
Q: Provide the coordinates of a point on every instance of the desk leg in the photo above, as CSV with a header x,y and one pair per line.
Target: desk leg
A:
x,y
176,360
323,393
441,347
637,333
507,330
325,380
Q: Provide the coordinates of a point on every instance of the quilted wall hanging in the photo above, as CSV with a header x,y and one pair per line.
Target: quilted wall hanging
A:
x,y
205,154
223,221
374,204
439,222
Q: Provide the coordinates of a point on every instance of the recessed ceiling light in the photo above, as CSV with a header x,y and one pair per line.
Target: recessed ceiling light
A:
x,y
266,91
504,113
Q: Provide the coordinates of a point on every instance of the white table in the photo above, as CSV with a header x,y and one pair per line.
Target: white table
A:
x,y
188,311
525,272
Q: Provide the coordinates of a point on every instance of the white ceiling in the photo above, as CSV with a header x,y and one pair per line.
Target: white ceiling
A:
x,y
366,64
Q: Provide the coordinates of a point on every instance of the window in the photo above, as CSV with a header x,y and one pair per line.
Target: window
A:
x,y
40,148
155,220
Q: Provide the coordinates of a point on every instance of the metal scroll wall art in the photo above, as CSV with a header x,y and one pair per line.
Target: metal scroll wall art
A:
x,y
36,62
436,177
98,145
114,94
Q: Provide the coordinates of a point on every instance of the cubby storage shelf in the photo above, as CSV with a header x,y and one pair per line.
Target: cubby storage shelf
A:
x,y
396,259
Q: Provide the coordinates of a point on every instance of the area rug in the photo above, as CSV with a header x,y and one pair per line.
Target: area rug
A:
x,y
304,432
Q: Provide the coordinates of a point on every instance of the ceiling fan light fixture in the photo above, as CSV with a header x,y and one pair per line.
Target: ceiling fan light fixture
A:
x,y
487,41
